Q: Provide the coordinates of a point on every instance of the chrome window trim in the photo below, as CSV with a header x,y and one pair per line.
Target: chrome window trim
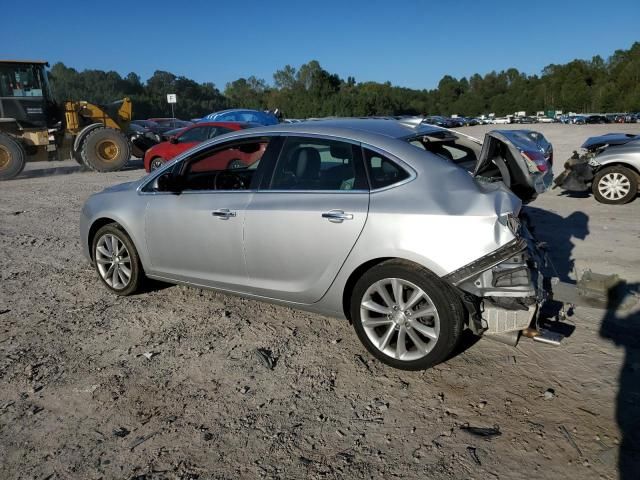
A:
x,y
311,192
194,151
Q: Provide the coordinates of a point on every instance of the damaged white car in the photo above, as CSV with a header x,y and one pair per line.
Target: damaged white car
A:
x,y
408,230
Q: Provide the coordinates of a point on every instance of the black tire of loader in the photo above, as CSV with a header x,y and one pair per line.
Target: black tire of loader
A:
x,y
16,157
90,145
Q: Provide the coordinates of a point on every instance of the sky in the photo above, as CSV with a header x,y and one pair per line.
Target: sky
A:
x,y
410,43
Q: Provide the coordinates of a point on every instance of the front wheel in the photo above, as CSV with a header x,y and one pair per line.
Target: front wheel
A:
x,y
117,261
615,185
12,157
405,316
156,163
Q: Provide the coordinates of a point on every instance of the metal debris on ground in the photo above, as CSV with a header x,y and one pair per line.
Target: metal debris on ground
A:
x,y
140,440
569,438
266,357
486,432
121,432
474,455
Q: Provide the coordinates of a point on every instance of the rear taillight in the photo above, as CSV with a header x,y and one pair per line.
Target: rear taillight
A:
x,y
535,161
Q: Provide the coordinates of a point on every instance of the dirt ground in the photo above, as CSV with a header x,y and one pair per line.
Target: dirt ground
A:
x,y
167,384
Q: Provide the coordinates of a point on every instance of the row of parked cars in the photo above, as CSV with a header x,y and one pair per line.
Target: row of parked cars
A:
x,y
600,118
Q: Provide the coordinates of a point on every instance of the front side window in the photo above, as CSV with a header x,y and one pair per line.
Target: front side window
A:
x,y
217,131
195,134
382,171
231,166
318,164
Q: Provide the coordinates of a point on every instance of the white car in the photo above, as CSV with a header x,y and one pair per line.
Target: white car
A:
x,y
500,121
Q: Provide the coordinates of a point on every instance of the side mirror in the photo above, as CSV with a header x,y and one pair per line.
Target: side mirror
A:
x,y
173,139
167,182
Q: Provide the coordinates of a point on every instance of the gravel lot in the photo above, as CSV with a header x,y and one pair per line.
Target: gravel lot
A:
x,y
79,398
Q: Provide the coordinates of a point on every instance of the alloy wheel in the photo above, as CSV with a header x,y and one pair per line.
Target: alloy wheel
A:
x,y
113,261
400,319
155,164
614,186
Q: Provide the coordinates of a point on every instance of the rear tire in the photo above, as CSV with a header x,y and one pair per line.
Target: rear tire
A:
x,y
615,185
12,157
414,332
105,150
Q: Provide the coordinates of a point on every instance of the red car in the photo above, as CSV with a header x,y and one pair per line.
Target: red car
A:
x,y
157,155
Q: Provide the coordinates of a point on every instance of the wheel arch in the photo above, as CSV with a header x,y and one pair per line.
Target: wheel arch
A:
x,y
617,163
361,270
98,224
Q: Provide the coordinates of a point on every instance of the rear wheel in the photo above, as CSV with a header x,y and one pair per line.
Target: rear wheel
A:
x,y
615,185
12,157
105,150
405,316
117,261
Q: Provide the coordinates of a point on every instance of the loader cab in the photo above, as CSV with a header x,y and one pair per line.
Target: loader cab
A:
x,y
25,95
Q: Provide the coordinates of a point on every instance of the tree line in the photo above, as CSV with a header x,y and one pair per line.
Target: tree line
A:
x,y
596,85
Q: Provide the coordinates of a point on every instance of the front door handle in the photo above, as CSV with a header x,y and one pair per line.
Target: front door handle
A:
x,y
337,216
223,213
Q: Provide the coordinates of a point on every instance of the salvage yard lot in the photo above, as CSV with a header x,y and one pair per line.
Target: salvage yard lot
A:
x,y
167,384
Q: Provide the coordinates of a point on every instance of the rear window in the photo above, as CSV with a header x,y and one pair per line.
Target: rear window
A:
x,y
459,150
382,171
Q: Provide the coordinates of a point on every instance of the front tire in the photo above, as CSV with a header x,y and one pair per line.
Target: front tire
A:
x,y
405,316
615,185
117,261
156,163
12,157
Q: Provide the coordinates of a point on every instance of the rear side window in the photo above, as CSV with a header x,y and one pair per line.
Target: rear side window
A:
x,y
382,171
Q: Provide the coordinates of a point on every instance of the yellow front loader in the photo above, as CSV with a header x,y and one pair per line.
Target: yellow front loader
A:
x,y
99,141
33,127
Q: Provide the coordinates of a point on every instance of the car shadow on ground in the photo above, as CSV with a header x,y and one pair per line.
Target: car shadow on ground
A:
x,y
623,330
134,164
49,172
558,233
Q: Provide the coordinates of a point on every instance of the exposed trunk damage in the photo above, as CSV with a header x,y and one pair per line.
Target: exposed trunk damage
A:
x,y
505,290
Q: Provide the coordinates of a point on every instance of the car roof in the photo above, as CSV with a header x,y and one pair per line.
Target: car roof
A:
x,y
213,123
359,129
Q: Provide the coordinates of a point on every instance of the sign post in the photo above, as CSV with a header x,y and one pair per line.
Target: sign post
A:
x,y
172,99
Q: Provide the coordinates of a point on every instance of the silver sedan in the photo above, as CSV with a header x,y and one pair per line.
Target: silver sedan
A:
x,y
407,230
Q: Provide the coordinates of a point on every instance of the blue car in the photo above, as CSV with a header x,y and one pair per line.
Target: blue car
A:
x,y
242,115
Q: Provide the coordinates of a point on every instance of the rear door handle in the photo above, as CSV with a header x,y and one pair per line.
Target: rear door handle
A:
x,y
223,213
337,216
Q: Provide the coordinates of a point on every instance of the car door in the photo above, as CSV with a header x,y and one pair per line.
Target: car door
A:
x,y
194,229
305,219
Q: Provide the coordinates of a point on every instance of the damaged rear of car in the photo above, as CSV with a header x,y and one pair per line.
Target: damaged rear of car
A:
x,y
503,290
609,166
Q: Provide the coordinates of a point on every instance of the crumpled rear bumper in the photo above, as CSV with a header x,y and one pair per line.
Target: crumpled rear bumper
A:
x,y
504,290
